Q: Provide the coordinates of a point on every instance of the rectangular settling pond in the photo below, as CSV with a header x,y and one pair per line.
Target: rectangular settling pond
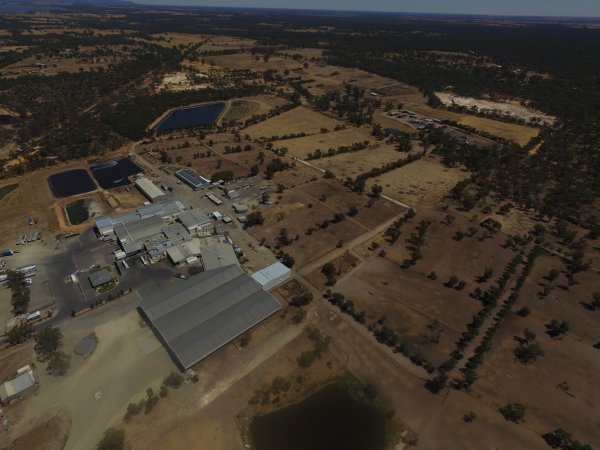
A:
x,y
71,182
112,174
329,419
191,116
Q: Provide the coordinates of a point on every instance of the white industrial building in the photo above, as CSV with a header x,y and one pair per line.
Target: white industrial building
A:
x,y
149,189
272,276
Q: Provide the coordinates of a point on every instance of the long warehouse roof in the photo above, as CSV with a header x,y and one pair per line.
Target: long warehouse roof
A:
x,y
200,315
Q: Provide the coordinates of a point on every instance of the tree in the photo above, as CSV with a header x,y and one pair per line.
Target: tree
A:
x,y
514,412
487,274
524,311
173,380
451,281
470,417
376,190
287,260
254,218
557,328
58,363
113,439
47,342
559,438
352,211
224,175
596,300
436,329
19,333
528,353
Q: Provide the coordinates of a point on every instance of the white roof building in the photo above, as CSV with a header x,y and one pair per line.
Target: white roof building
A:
x,y
272,276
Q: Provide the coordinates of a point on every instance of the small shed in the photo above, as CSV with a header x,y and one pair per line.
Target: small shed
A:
x,y
24,382
239,208
100,277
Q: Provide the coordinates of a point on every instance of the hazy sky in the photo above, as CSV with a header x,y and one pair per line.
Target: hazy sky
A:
x,y
581,8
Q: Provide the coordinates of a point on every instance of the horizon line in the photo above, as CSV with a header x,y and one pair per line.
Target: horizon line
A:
x,y
324,10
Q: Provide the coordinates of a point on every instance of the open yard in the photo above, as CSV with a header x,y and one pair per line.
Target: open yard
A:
x,y
421,183
244,108
297,120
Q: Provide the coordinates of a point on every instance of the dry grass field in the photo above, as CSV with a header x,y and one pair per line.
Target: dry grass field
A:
x,y
510,131
297,120
342,199
422,183
300,147
243,108
352,164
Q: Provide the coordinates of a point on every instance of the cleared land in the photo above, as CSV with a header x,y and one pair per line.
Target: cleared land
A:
x,y
301,147
297,120
352,164
342,199
510,131
421,183
243,108
572,359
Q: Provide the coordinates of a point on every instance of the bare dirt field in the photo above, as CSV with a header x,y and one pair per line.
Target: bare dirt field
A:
x,y
297,218
297,120
49,431
248,61
510,131
410,302
509,107
352,164
466,258
342,199
301,147
421,183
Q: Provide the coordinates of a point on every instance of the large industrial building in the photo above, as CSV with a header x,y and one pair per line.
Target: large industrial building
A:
x,y
149,189
198,316
106,225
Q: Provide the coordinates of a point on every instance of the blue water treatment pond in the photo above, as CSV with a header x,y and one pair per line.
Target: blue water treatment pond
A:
x,y
112,174
191,116
71,182
330,419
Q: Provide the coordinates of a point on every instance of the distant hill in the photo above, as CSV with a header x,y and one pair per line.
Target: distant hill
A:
x,y
67,2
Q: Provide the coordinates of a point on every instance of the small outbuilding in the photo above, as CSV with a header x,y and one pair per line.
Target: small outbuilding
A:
x,y
100,277
24,382
239,208
272,276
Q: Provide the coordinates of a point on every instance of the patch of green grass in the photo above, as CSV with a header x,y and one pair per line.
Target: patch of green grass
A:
x,y
5,190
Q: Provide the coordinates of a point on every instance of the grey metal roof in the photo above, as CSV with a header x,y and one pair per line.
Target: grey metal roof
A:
x,y
100,277
193,218
198,316
217,255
